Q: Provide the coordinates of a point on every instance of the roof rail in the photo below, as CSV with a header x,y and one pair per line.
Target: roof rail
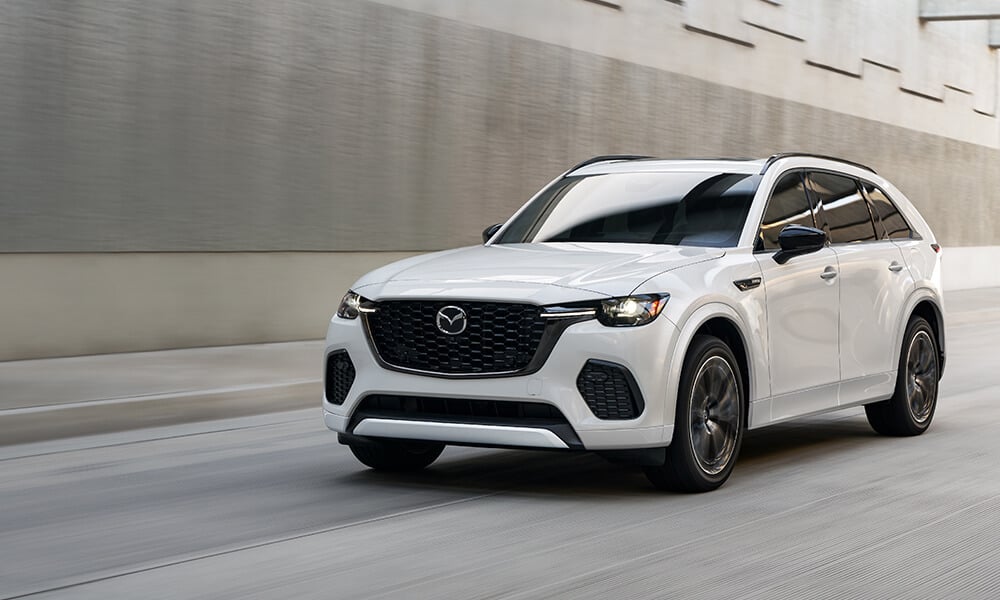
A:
x,y
774,157
607,157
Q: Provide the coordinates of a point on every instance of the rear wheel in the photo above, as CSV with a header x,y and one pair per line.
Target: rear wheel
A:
x,y
911,408
708,429
384,454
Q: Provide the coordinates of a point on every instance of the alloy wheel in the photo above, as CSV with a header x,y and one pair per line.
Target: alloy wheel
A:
x,y
921,377
714,415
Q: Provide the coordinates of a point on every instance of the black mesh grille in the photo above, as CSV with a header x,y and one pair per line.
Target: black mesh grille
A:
x,y
507,412
339,376
499,337
609,390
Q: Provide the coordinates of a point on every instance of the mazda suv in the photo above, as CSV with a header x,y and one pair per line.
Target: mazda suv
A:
x,y
652,311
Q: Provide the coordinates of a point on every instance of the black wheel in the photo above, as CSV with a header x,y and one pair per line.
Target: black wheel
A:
x,y
708,429
911,408
395,455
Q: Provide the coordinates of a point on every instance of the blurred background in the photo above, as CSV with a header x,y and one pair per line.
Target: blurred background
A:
x,y
180,173
188,187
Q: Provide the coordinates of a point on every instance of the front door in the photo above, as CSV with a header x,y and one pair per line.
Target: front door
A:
x,y
803,310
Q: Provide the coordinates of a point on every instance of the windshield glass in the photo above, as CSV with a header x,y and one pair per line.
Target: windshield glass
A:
x,y
680,209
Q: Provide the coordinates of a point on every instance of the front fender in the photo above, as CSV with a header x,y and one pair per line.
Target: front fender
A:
x,y
753,346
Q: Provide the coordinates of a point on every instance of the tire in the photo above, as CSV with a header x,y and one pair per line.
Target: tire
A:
x,y
710,402
395,455
911,408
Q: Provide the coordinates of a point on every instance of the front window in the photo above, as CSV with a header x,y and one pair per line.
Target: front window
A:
x,y
789,205
679,209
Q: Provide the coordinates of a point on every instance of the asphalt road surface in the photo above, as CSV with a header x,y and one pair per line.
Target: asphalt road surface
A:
x,y
273,507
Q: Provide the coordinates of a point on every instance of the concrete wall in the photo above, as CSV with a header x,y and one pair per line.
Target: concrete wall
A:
x,y
81,303
194,172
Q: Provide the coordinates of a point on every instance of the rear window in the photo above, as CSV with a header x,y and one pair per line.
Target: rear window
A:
x,y
892,220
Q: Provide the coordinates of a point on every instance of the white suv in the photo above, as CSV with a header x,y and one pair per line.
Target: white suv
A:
x,y
652,311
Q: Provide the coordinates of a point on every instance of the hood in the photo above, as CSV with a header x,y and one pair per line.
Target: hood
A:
x,y
541,273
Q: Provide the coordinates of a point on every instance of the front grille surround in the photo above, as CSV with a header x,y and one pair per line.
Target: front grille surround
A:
x,y
610,390
502,339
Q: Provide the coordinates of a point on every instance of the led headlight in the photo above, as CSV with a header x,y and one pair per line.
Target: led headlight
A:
x,y
353,305
631,311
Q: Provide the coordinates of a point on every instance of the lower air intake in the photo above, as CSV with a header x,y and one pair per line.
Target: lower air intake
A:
x,y
339,376
609,390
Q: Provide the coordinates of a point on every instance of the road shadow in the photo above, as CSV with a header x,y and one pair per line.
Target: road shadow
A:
x,y
540,473
560,474
804,438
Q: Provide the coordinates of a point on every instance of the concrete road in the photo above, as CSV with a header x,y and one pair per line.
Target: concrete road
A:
x,y
272,507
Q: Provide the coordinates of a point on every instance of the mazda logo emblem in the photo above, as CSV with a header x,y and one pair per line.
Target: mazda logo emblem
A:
x,y
451,320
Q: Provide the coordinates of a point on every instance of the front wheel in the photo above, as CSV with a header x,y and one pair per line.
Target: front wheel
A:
x,y
384,454
708,429
911,408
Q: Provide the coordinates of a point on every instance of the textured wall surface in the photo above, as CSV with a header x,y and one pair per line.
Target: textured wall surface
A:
x,y
80,303
203,172
348,125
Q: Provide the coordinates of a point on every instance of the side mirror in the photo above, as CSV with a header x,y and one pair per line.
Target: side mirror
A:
x,y
796,240
491,231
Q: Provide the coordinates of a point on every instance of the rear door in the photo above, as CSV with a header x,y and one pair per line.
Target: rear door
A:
x,y
874,282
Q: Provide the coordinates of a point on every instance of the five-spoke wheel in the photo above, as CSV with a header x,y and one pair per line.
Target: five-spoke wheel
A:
x,y
714,415
708,429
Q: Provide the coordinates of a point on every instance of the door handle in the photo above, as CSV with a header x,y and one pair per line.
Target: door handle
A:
x,y
829,273
895,267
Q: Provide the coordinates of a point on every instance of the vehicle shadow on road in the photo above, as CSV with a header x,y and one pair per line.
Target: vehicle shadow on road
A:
x,y
516,471
794,445
805,439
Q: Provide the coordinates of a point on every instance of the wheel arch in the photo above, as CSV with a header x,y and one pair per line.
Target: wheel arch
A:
x,y
925,303
724,322
932,313
727,331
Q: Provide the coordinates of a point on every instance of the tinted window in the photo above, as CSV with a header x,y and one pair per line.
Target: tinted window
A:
x,y
893,222
788,205
845,210
683,209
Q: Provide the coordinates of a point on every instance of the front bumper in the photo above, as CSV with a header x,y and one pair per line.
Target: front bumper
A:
x,y
644,351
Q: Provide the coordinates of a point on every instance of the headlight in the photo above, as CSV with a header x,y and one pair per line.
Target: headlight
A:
x,y
353,305
631,311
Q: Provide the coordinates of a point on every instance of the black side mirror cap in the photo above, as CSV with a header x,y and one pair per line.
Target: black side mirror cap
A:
x,y
796,240
491,231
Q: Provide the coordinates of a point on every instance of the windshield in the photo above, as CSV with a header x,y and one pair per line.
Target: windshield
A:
x,y
680,209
